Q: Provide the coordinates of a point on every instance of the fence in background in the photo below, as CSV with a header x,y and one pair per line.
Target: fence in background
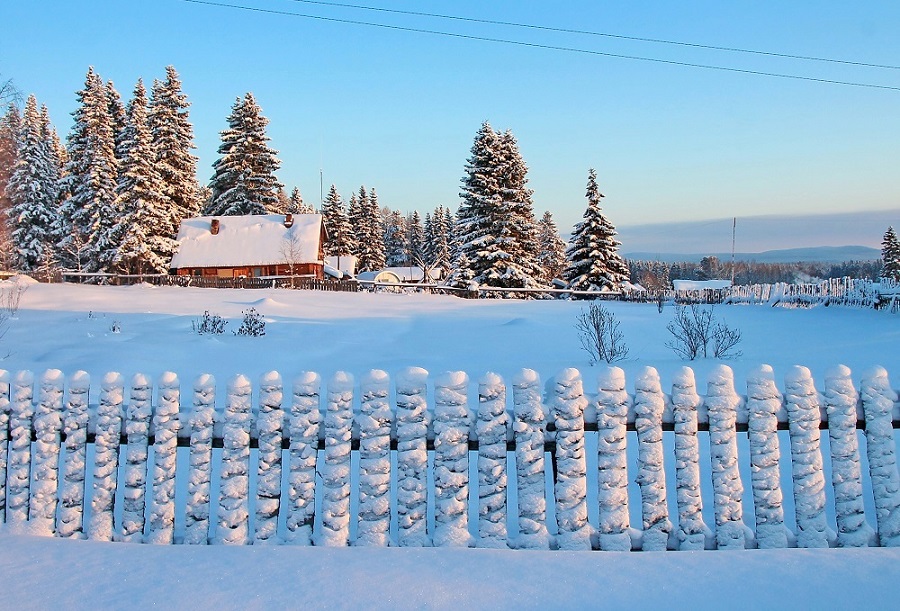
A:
x,y
429,433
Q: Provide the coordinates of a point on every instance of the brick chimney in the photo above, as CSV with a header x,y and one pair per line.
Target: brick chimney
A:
x,y
288,219
214,226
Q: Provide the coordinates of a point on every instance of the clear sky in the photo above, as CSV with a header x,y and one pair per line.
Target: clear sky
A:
x,y
398,110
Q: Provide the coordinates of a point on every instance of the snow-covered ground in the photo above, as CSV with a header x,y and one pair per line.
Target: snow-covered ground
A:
x,y
143,329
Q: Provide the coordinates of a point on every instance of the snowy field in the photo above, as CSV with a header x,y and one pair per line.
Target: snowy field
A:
x,y
149,330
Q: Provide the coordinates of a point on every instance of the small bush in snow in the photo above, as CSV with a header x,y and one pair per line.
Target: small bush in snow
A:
x,y
695,331
600,336
115,327
253,324
211,324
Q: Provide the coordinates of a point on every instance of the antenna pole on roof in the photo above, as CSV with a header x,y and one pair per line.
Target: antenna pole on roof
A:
x,y
733,229
321,190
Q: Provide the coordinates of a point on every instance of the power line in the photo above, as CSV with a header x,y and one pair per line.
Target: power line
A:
x,y
545,28
534,45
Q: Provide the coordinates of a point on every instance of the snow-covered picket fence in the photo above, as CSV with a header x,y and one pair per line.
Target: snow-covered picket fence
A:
x,y
412,463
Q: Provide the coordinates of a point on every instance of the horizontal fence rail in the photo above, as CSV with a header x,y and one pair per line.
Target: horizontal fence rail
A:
x,y
66,460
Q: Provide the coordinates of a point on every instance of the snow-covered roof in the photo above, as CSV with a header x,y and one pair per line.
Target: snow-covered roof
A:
x,y
247,240
699,285
380,276
344,263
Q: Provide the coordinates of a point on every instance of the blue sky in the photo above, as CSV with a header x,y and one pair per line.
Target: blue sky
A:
x,y
398,110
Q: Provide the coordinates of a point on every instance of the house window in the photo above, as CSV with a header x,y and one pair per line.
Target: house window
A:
x,y
257,272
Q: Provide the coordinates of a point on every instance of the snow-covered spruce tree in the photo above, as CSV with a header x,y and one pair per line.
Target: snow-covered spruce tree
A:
x,y
338,232
18,485
415,239
722,403
89,214
75,425
354,218
282,202
173,138
244,180
303,428
196,522
878,400
117,115
552,255
593,253
890,255
296,205
451,460
269,427
335,471
368,232
649,404
33,190
395,239
165,447
692,530
438,247
412,457
145,244
763,401
106,457
233,513
612,462
529,430
841,400
10,130
491,427
802,403
568,404
374,423
495,223
4,438
45,466
137,432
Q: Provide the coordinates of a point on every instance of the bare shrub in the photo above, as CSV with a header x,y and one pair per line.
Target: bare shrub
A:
x,y
209,324
724,341
598,330
695,331
253,324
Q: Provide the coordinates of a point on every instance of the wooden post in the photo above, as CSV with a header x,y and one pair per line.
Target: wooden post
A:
x,y
137,432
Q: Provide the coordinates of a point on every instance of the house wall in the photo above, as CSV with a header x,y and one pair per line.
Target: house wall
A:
x,y
302,269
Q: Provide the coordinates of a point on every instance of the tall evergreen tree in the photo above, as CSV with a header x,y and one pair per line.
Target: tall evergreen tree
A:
x,y
890,255
593,253
173,138
395,239
10,130
354,218
89,213
297,205
116,116
438,249
495,222
32,189
142,233
337,225
415,239
369,232
552,256
244,179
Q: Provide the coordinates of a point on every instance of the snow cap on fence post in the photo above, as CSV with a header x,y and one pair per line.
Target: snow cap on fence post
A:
x,y
722,403
451,460
137,432
529,431
374,422
233,514
202,420
491,428
303,428
614,531
763,403
649,404
693,532
412,457
106,456
336,469
165,447
4,438
878,402
804,418
75,425
269,425
45,465
19,471
568,406
841,400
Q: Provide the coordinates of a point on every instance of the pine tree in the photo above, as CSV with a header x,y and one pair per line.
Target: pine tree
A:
x,y
552,256
282,202
395,239
594,260
173,138
297,206
368,231
89,213
116,117
32,190
354,217
495,223
244,180
144,244
10,130
337,226
437,239
415,240
890,256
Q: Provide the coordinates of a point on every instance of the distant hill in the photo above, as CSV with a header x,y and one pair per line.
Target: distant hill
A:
x,y
763,234
816,254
